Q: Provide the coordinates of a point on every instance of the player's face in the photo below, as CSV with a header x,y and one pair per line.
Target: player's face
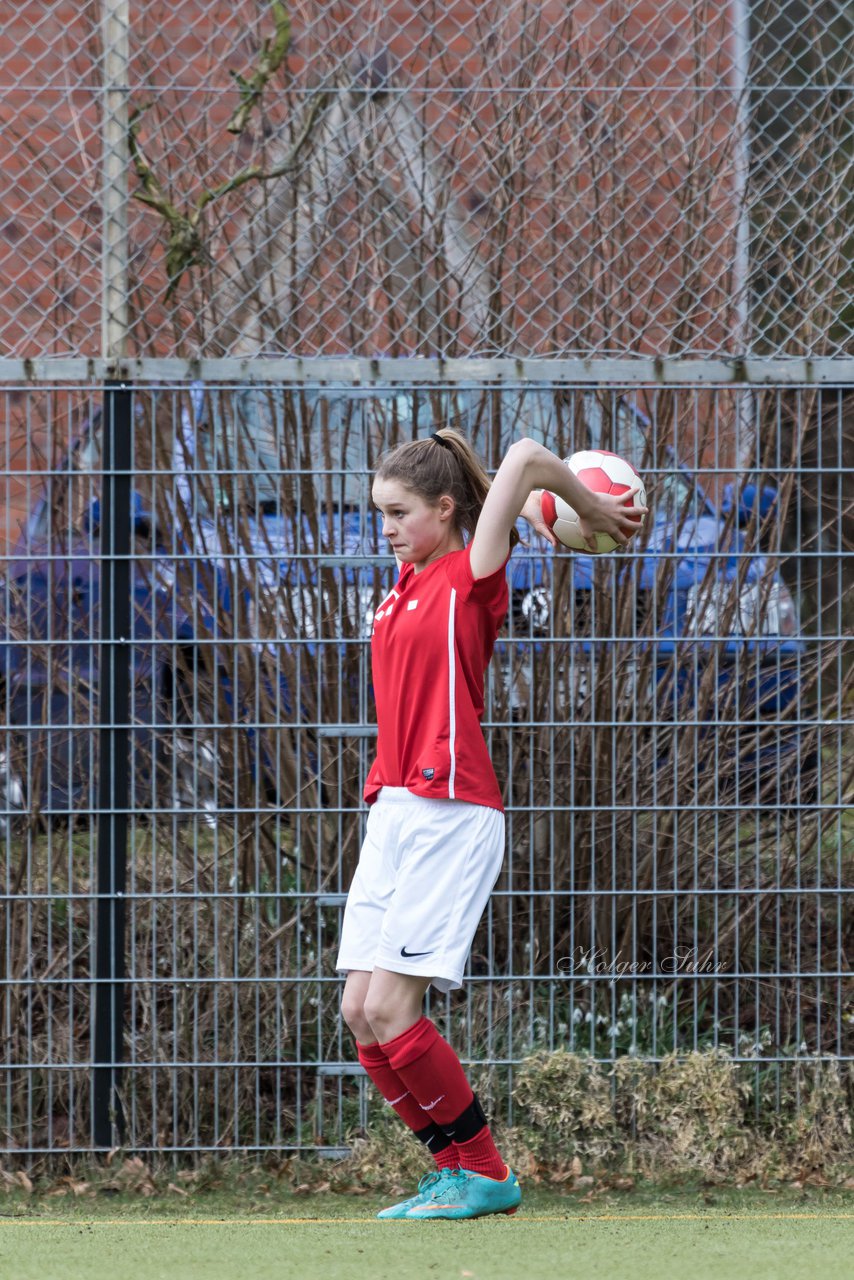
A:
x,y
417,530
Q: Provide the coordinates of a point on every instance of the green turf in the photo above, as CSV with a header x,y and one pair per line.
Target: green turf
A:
x,y
650,1235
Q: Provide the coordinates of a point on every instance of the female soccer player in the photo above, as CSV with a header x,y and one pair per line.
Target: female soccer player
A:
x,y
434,842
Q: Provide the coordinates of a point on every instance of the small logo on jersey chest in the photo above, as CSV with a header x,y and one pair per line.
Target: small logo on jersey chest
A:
x,y
386,607
428,774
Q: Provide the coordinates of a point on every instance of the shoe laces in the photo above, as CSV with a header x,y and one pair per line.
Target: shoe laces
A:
x,y
448,1183
429,1178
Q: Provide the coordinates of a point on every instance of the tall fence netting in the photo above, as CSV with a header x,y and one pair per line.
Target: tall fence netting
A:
x,y
527,179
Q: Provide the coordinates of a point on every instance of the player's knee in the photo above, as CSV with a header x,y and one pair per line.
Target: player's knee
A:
x,y
386,1019
353,1013
376,1016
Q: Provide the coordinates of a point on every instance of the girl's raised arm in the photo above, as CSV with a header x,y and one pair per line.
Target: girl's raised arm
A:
x,y
528,466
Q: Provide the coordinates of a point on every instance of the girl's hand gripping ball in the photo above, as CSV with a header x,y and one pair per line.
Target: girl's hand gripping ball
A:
x,y
601,472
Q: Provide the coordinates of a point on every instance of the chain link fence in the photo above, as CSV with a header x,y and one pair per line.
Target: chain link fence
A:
x,y
672,729
538,179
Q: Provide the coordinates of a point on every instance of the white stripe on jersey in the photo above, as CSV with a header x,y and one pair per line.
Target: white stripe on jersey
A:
x,y
452,675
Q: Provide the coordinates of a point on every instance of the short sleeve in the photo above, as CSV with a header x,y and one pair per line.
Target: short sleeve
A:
x,y
490,592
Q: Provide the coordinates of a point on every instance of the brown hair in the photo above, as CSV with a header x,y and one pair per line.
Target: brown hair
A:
x,y
443,462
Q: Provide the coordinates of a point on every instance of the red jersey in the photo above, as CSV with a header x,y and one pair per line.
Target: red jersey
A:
x,y
432,639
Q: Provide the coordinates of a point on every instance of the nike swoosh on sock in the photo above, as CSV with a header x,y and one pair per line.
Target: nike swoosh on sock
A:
x,y
428,1106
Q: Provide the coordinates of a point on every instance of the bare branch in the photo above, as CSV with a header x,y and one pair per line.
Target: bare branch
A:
x,y
256,174
185,247
273,54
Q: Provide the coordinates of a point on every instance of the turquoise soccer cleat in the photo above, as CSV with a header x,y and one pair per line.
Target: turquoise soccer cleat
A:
x,y
425,1188
463,1194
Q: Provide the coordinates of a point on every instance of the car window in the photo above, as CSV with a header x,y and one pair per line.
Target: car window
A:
x,y
268,443
674,492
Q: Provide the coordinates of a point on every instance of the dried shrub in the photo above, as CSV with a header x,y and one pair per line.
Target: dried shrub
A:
x,y
685,1113
566,1101
385,1156
805,1111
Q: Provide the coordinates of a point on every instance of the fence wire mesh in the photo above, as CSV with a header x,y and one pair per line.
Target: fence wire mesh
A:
x,y
532,179
672,729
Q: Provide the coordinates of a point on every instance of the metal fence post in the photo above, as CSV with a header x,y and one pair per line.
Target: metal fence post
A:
x,y
113,765
115,160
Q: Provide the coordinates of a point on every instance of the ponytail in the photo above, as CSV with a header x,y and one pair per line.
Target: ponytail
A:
x,y
444,462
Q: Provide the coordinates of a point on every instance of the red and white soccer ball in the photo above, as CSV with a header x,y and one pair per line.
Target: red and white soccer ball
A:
x,y
603,472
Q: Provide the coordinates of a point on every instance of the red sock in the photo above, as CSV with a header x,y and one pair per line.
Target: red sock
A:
x,y
447,1158
480,1154
376,1064
432,1072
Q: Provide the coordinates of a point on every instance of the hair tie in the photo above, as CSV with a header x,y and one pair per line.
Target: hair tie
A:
x,y
446,444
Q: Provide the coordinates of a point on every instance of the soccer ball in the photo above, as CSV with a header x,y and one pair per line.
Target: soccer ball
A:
x,y
604,473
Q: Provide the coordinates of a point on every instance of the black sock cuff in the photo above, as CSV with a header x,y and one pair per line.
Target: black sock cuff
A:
x,y
468,1123
434,1138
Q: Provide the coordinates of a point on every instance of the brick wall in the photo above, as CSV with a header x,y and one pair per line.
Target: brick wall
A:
x,y
613,122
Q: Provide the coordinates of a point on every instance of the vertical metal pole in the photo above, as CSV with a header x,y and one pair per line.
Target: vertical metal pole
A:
x,y
740,10
113,766
116,163
117,453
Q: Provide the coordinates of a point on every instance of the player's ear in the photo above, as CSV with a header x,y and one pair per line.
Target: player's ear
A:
x,y
447,507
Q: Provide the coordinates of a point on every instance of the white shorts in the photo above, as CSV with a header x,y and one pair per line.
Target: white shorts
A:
x,y
425,873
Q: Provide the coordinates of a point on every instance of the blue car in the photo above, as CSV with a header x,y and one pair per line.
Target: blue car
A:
x,y
308,578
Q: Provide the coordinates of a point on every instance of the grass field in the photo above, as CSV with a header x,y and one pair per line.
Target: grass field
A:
x,y
692,1235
